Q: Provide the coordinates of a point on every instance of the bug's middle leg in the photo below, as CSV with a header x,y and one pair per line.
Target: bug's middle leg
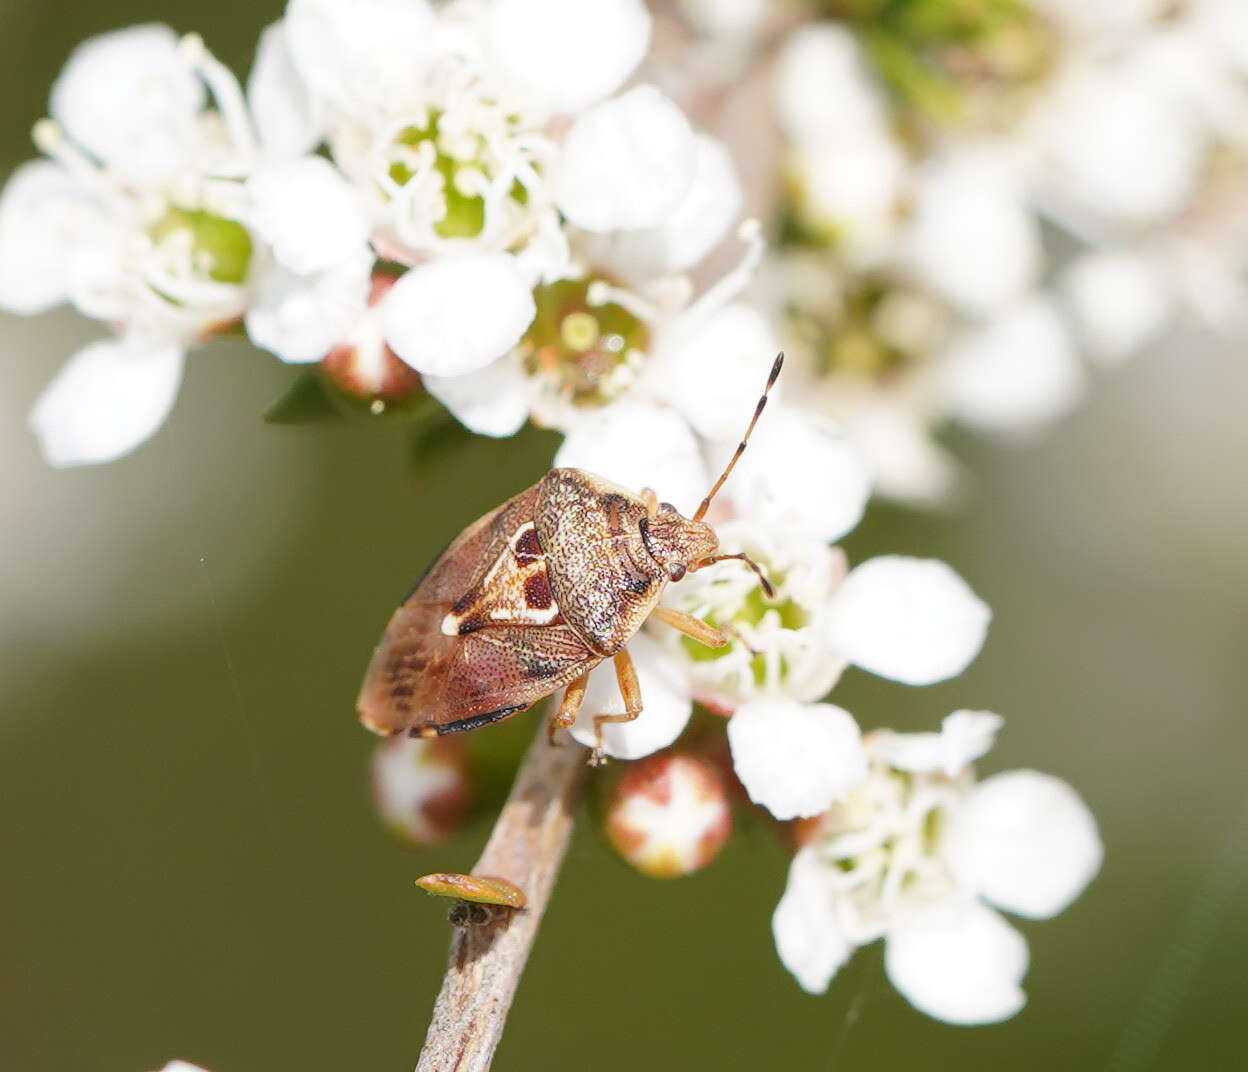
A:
x,y
630,690
569,708
694,628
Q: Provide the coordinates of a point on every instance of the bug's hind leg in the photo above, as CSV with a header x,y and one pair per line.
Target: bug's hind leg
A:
x,y
626,678
569,708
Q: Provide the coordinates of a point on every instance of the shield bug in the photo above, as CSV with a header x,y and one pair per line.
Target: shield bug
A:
x,y
534,595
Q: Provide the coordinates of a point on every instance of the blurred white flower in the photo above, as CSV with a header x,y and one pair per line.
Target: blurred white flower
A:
x,y
1015,372
1120,302
916,855
847,171
1091,132
420,788
972,238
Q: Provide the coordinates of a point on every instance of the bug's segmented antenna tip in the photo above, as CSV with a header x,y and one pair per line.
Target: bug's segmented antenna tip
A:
x,y
775,369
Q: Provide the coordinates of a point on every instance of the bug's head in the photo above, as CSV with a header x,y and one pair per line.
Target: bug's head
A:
x,y
682,545
675,542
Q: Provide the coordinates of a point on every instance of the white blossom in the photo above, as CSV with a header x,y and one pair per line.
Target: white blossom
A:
x,y
917,855
166,217
910,619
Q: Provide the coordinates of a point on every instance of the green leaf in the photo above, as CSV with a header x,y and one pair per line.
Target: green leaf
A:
x,y
307,401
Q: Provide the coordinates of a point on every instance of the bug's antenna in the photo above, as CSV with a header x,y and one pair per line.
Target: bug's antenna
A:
x,y
768,591
758,412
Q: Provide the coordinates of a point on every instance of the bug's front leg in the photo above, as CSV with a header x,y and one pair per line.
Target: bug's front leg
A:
x,y
651,500
630,690
694,628
569,708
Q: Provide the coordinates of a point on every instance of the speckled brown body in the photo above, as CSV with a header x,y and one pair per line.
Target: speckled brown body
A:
x,y
527,599
533,596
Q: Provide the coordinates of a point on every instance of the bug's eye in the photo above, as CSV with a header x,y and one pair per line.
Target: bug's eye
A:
x,y
675,572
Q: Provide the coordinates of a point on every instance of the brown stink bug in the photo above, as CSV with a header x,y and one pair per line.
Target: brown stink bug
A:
x,y
534,595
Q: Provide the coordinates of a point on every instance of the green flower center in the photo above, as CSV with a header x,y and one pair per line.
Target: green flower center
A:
x,y
220,248
952,61
879,330
750,612
582,350
453,161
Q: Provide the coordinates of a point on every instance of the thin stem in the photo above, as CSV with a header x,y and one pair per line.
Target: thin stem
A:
x,y
526,847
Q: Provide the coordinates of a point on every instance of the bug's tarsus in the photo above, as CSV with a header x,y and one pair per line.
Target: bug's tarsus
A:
x,y
777,365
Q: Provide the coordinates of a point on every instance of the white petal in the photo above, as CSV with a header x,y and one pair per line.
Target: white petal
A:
x,y
714,374
107,399
1090,22
300,318
796,759
637,445
800,470
44,214
964,736
739,19
808,939
362,56
1224,24
280,102
458,313
1016,373
130,98
1026,842
690,231
569,53
1120,301
959,962
823,87
492,401
308,212
910,619
972,240
626,163
664,692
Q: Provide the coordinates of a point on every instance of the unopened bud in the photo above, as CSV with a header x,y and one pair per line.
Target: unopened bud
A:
x,y
669,815
364,366
421,788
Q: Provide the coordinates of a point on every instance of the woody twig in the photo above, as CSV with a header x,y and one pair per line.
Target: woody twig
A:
x,y
526,847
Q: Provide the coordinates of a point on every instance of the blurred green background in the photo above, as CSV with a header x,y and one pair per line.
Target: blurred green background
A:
x,y
191,864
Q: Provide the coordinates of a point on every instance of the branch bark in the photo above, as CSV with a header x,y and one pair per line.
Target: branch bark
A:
x,y
526,847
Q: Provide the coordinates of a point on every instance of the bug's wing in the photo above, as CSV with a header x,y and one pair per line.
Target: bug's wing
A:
x,y
420,678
